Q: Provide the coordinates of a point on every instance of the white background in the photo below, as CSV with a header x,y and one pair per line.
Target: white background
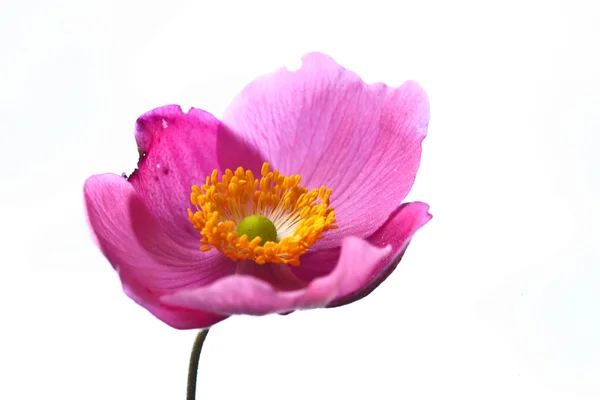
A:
x,y
498,296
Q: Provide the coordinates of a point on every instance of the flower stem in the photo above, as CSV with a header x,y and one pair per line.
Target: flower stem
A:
x,y
193,368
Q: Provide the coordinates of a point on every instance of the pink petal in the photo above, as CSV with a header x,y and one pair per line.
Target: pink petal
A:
x,y
178,150
176,317
280,276
397,232
244,294
148,261
325,123
316,264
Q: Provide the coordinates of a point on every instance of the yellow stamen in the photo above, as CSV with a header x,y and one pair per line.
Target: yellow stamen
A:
x,y
299,215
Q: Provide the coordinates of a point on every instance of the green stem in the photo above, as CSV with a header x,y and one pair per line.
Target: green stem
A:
x,y
193,369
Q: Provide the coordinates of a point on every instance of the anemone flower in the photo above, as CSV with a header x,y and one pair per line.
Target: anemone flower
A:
x,y
293,200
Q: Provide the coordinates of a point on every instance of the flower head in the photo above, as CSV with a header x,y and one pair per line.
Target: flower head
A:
x,y
291,201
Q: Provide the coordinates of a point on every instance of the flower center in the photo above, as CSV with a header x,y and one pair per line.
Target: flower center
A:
x,y
273,219
258,226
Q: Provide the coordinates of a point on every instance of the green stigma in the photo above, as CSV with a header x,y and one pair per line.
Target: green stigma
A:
x,y
257,225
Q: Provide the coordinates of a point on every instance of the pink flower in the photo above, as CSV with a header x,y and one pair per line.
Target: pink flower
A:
x,y
192,257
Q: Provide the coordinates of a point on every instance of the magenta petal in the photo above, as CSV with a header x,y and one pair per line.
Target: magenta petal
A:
x,y
316,264
148,261
244,294
176,317
397,232
177,150
280,276
325,123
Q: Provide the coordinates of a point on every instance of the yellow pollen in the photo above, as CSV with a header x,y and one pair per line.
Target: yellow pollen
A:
x,y
300,216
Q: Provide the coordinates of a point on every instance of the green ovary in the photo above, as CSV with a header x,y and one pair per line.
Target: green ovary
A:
x,y
257,225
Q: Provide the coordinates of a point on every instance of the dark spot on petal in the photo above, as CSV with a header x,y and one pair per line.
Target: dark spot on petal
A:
x,y
124,175
133,174
165,171
155,178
